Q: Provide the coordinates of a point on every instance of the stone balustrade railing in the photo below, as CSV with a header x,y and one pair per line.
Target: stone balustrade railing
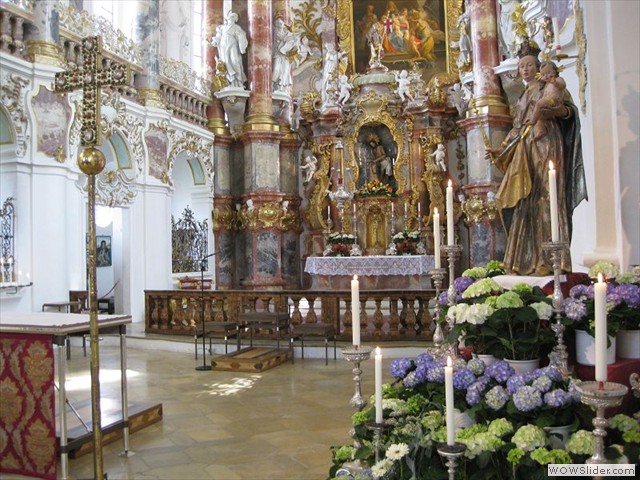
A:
x,y
184,93
385,314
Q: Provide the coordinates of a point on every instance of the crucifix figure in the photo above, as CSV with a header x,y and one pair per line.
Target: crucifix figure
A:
x,y
91,77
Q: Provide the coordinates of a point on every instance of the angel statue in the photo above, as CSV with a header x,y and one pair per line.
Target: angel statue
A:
x,y
344,88
309,166
439,155
404,84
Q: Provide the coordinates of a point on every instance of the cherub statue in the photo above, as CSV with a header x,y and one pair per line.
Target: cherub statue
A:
x,y
250,206
309,166
439,155
459,97
552,96
344,89
404,83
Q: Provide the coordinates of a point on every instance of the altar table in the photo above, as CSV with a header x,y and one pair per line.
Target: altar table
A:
x,y
26,350
375,271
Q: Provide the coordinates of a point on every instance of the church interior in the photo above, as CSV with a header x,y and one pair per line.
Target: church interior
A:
x,y
267,190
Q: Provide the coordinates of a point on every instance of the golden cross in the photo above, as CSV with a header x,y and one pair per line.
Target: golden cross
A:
x,y
90,77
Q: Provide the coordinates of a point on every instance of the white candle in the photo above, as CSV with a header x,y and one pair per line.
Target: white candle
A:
x,y
436,237
553,204
355,309
405,209
556,33
378,375
600,297
419,219
392,211
448,390
328,213
354,210
450,235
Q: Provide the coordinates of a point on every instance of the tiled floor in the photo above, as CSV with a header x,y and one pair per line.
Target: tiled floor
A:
x,y
277,425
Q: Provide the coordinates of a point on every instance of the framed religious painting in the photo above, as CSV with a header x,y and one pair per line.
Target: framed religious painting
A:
x,y
410,33
103,251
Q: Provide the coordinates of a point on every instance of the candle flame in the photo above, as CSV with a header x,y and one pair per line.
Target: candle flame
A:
x,y
600,279
551,166
435,211
378,351
355,277
449,362
449,184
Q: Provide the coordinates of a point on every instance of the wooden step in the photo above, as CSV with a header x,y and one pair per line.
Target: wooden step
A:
x,y
80,442
252,359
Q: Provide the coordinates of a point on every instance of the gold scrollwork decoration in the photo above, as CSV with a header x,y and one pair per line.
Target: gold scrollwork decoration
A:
x,y
268,214
433,175
316,204
224,219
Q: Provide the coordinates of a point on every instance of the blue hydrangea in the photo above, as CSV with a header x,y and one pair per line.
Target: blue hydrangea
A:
x,y
443,299
527,398
476,366
410,380
630,294
462,378
421,372
531,376
575,394
400,367
514,383
423,358
483,381
542,384
473,396
574,309
553,373
496,398
462,283
500,371
558,398
435,373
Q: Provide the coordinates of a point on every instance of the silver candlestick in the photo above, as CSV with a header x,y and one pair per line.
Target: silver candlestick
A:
x,y
453,252
559,357
355,356
377,434
600,395
451,454
437,276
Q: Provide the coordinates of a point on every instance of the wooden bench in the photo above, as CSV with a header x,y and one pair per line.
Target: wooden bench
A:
x,y
328,332
224,330
276,321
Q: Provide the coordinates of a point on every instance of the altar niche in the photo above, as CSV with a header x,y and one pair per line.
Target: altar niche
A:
x,y
376,152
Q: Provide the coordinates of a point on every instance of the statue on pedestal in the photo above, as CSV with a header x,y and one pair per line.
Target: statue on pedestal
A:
x,y
231,41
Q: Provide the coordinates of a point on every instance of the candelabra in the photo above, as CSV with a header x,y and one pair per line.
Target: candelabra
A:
x,y
437,275
355,356
340,196
559,356
600,395
377,434
453,252
451,454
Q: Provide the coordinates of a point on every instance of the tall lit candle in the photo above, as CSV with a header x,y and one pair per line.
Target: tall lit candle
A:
x,y
600,298
450,235
419,218
553,203
448,391
328,212
556,33
355,309
378,375
436,237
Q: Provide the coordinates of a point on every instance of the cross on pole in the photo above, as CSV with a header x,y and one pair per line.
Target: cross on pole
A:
x,y
91,77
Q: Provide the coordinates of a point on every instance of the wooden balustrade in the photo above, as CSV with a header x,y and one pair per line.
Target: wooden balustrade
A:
x,y
384,314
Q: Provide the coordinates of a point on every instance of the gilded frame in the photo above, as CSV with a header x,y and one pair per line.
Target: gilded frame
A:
x,y
345,28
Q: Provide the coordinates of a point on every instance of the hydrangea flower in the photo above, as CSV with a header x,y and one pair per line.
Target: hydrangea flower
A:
x,y
522,288
432,420
543,309
515,382
500,371
627,277
482,287
345,453
607,269
542,384
552,372
473,395
578,291
529,437
423,358
545,457
496,398
500,427
481,442
462,283
557,398
396,451
527,398
574,309
477,313
582,442
476,366
435,374
463,378
400,367
624,423
630,294
509,300
475,273
514,456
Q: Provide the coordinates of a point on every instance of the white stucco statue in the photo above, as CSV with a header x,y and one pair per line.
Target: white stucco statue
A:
x,y
507,34
439,155
284,45
344,88
404,84
231,41
328,87
250,206
309,166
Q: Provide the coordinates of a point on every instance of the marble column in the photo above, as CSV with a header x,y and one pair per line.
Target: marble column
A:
x,y
282,101
42,43
215,112
147,36
487,124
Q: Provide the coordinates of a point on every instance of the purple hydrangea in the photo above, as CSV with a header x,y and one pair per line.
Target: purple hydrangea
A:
x,y
613,299
554,373
527,398
514,383
462,283
574,309
496,398
500,371
542,383
575,394
578,291
531,376
483,381
400,367
423,358
463,378
558,398
443,298
630,294
411,380
473,394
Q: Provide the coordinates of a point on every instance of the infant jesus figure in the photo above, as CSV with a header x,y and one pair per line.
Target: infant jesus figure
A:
x,y
552,96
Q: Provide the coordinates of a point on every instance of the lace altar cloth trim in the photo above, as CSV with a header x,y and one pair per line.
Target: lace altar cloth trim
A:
x,y
370,265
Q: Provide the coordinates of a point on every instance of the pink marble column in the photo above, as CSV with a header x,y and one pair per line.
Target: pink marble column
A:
x,y
259,62
215,112
484,35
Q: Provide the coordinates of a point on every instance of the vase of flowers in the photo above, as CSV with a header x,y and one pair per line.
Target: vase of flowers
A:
x,y
375,188
339,244
407,242
510,324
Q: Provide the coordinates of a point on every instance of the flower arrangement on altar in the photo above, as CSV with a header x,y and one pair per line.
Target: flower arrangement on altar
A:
x,y
504,420
375,188
508,324
623,300
407,243
339,244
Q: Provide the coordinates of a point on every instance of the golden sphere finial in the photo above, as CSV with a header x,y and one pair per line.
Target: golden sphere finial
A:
x,y
91,161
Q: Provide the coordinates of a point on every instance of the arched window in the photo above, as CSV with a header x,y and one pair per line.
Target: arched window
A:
x,y
121,14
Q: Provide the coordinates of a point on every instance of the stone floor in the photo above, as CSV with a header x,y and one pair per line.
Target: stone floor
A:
x,y
277,424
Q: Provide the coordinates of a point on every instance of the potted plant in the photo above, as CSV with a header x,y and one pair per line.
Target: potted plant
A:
x,y
339,244
406,242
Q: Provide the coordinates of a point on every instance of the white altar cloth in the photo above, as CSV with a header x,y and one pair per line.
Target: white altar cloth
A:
x,y
55,323
371,265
